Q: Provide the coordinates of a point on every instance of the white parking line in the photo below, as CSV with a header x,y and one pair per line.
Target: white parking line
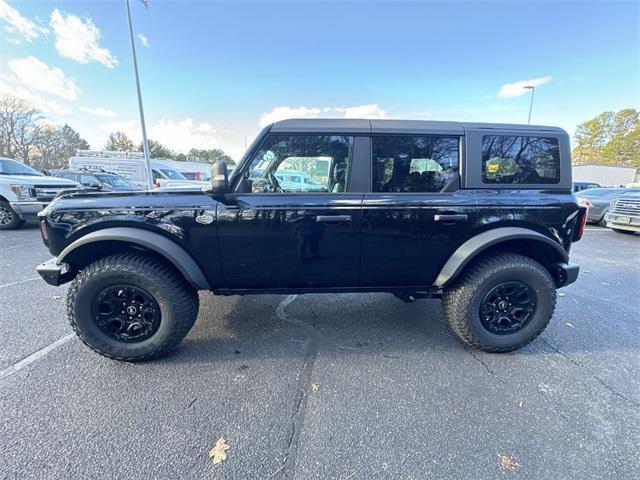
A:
x,y
19,282
23,245
34,357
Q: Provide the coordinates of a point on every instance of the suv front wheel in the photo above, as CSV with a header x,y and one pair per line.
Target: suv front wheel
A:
x,y
500,303
131,306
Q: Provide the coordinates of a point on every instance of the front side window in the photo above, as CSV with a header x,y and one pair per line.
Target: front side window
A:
x,y
520,160
413,163
300,163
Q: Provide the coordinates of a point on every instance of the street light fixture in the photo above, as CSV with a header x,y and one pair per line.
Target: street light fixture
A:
x,y
145,143
533,89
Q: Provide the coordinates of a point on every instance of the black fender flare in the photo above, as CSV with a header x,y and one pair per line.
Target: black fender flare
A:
x,y
472,247
155,242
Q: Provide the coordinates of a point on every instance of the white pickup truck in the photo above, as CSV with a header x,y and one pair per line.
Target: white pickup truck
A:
x,y
25,191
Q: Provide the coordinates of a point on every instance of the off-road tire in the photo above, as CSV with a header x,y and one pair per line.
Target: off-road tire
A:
x,y
177,300
626,232
15,222
461,301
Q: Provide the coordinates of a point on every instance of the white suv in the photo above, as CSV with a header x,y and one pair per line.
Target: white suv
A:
x,y
25,191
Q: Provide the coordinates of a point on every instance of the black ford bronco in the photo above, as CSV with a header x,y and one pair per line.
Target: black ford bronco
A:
x,y
481,215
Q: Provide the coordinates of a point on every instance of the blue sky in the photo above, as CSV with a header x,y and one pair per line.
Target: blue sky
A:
x,y
214,72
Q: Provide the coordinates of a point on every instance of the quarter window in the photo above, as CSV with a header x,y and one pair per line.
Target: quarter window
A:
x,y
300,163
520,160
403,163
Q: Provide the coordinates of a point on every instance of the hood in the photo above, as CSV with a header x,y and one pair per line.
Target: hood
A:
x,y
122,201
37,180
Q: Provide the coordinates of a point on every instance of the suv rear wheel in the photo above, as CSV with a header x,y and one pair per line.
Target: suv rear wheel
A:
x,y
131,307
9,219
500,303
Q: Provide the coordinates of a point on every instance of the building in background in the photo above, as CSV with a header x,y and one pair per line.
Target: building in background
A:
x,y
605,175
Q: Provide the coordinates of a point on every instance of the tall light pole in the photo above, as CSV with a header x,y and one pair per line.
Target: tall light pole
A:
x,y
145,143
533,89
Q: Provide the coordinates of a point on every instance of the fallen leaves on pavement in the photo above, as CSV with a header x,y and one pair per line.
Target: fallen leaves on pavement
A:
x,y
219,451
315,387
508,463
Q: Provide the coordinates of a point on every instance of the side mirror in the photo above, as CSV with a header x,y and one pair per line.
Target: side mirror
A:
x,y
219,183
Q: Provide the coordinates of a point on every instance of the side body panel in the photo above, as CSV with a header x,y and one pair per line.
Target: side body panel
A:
x,y
170,214
403,245
290,241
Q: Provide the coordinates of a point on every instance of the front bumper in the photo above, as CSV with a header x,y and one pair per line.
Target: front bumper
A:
x,y
565,273
54,273
28,210
622,222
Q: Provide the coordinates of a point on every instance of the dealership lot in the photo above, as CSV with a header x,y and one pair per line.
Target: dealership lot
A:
x,y
328,387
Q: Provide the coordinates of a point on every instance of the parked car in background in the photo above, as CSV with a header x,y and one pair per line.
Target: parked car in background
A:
x,y
104,181
25,191
579,186
624,213
597,200
199,172
130,165
298,181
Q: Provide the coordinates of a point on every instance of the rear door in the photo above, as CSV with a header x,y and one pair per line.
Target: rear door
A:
x,y
415,215
277,234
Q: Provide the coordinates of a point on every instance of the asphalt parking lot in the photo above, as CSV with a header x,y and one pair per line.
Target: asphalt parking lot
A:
x,y
326,387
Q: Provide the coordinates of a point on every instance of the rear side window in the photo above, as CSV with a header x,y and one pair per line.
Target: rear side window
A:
x,y
520,160
413,163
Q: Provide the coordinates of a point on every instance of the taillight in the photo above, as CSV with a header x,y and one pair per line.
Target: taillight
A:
x,y
158,184
198,176
585,202
582,221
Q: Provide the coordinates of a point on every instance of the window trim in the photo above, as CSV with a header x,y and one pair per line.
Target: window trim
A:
x,y
241,169
472,170
461,153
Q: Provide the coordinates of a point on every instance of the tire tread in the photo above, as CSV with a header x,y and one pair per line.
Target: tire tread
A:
x,y
175,287
457,299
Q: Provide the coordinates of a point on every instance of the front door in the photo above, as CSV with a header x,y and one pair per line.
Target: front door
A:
x,y
291,221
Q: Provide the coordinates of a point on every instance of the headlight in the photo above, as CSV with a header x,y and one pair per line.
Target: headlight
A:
x,y
23,192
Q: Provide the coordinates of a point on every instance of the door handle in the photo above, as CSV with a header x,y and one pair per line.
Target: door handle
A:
x,y
451,217
333,218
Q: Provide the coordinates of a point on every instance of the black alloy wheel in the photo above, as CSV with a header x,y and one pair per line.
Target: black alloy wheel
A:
x,y
508,307
126,313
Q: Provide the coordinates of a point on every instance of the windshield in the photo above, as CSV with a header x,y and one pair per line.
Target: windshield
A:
x,y
173,174
115,181
11,167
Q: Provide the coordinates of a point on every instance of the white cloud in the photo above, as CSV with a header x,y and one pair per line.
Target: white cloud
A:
x,y
34,100
179,135
359,111
282,113
143,40
517,89
363,111
79,40
37,74
17,24
100,112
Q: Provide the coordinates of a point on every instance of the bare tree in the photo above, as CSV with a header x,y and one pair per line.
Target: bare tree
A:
x,y
18,128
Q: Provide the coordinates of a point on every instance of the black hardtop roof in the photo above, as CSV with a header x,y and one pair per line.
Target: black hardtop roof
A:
x,y
395,126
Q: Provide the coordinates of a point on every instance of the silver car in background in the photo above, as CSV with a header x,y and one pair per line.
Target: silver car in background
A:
x,y
598,200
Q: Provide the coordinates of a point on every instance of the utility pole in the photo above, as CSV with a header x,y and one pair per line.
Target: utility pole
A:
x,y
533,89
145,143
